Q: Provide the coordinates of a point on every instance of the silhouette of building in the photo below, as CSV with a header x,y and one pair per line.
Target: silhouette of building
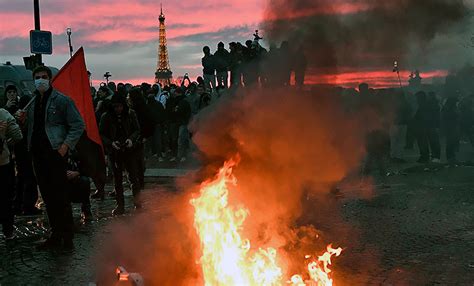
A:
x,y
163,74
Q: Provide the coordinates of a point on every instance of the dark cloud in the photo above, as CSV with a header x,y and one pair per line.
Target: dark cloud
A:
x,y
375,35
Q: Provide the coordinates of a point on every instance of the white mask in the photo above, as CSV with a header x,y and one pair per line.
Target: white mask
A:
x,y
42,84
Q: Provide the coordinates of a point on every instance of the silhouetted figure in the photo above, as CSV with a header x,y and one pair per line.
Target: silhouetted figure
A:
x,y
378,152
466,119
145,120
411,126
422,123
120,134
285,63
10,133
235,64
433,127
112,86
250,72
26,188
209,69
299,65
450,120
221,59
399,128
271,66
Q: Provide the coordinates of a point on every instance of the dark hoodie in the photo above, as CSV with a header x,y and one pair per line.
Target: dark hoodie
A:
x,y
121,127
22,100
143,112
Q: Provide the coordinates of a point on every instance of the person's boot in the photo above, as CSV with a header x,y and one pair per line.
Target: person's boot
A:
x,y
120,208
98,195
137,203
86,214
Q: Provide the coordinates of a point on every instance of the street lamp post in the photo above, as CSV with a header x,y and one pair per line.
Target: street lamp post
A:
x,y
107,75
37,25
69,32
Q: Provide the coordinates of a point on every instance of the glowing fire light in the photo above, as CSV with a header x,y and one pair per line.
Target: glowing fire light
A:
x,y
227,258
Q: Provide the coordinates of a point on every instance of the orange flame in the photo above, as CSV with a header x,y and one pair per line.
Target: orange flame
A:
x,y
227,258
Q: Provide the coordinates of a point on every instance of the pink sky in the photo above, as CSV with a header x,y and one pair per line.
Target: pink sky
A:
x,y
121,36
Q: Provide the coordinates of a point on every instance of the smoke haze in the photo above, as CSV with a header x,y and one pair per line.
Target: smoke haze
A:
x,y
363,34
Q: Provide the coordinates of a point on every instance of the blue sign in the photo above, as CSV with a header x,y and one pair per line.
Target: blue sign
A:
x,y
41,42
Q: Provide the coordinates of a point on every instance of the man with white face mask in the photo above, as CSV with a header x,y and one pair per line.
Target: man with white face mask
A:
x,y
54,126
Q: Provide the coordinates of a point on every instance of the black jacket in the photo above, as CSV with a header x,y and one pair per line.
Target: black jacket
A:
x,y
183,111
110,128
221,60
208,64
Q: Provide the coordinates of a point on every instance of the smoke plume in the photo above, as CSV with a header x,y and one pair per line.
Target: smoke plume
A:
x,y
363,33
291,145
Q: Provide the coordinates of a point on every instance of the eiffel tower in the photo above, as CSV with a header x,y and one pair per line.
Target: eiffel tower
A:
x,y
163,74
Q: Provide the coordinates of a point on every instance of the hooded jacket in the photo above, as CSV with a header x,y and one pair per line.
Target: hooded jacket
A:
x,y
111,125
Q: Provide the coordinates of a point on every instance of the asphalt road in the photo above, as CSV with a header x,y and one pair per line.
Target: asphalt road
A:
x,y
419,231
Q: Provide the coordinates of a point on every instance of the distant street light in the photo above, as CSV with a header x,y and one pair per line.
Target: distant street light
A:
x,y
107,75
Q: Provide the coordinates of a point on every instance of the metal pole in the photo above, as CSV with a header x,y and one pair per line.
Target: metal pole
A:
x,y
37,24
69,32
399,80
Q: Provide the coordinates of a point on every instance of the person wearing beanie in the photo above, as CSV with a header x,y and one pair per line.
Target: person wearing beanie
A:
x,y
12,99
120,133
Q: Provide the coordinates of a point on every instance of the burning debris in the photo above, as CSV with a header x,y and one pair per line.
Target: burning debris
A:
x,y
227,257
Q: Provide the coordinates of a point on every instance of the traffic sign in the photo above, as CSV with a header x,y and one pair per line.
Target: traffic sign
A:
x,y
41,42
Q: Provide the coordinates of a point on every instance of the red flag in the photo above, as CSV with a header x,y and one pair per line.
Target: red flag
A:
x,y
73,81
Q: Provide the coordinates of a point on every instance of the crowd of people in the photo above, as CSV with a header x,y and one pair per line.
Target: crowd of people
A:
x,y
421,119
251,65
40,138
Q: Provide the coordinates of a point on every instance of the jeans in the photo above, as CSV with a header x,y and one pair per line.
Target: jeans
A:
x,y
121,161
222,78
50,169
209,82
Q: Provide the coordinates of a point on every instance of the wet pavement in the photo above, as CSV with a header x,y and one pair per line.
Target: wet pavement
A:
x,y
22,264
418,229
